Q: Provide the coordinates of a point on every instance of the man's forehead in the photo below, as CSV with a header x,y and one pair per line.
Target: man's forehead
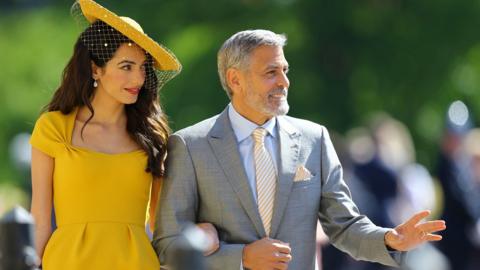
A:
x,y
269,56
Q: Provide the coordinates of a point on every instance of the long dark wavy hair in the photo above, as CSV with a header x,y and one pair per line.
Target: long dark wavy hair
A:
x,y
146,122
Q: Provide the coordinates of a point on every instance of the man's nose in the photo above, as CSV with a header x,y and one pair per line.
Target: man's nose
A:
x,y
283,80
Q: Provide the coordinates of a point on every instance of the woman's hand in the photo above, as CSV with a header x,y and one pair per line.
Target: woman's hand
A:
x,y
212,237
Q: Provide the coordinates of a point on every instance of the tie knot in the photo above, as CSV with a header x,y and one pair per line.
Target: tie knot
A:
x,y
259,135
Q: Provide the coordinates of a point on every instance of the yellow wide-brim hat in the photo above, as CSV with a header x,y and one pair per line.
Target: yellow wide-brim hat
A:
x,y
163,58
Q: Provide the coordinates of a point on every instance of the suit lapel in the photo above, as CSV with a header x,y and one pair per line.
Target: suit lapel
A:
x,y
289,145
224,145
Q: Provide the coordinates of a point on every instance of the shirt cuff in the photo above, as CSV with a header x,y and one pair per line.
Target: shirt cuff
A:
x,y
398,256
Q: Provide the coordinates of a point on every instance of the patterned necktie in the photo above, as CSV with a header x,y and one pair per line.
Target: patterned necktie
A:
x,y
266,178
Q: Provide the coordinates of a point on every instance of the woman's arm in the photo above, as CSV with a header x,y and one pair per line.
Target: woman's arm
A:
x,y
42,196
154,194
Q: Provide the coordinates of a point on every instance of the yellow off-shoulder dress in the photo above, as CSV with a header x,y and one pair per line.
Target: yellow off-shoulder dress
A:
x,y
100,203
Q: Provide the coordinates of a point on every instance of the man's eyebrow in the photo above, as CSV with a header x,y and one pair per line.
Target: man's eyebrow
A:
x,y
276,66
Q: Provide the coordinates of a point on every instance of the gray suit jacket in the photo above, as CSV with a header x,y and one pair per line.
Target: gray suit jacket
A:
x,y
206,182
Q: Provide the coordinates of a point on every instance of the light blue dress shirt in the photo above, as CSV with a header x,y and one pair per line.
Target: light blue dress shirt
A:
x,y
243,129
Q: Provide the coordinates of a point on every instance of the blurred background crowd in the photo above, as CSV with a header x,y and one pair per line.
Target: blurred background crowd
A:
x,y
388,184
396,82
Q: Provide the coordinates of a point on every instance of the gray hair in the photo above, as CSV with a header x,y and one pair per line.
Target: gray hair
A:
x,y
235,52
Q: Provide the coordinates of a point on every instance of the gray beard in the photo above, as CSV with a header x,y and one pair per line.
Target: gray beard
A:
x,y
274,110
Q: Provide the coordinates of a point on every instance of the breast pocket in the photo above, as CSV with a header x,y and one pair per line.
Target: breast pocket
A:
x,y
314,179
306,193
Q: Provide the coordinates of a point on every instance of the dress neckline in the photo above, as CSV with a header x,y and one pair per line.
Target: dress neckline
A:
x,y
71,126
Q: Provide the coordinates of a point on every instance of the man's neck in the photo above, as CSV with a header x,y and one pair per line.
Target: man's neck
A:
x,y
252,116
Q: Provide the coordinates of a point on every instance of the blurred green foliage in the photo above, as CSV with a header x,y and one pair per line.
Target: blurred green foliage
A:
x,y
348,59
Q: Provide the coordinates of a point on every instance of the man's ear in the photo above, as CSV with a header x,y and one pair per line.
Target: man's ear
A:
x,y
234,78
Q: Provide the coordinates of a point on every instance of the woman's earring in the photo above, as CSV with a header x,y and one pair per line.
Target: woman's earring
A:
x,y
95,84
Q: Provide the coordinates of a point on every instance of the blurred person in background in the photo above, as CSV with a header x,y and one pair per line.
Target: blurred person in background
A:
x,y
469,185
376,169
455,175
416,189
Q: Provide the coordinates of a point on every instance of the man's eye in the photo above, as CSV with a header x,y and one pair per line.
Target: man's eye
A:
x,y
127,67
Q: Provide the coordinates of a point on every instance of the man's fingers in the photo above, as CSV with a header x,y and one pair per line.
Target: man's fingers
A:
x,y
276,241
283,257
432,226
282,248
417,217
433,237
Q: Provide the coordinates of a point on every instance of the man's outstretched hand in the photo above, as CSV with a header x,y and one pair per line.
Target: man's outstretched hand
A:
x,y
413,232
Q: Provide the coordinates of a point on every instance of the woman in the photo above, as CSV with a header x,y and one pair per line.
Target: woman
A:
x,y
97,153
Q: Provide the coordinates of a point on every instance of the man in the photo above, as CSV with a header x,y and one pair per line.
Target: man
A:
x,y
263,178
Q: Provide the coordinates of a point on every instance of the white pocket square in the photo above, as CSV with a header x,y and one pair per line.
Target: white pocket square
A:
x,y
302,174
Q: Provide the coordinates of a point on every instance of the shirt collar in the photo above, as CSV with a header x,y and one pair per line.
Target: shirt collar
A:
x,y
243,128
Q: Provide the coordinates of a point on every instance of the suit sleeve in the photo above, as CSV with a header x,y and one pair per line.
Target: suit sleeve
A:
x,y
177,208
349,231
227,257
178,201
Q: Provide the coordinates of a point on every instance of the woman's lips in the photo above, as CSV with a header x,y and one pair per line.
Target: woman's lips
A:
x,y
133,91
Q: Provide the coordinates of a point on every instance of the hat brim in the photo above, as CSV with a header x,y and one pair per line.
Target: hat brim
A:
x,y
164,60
